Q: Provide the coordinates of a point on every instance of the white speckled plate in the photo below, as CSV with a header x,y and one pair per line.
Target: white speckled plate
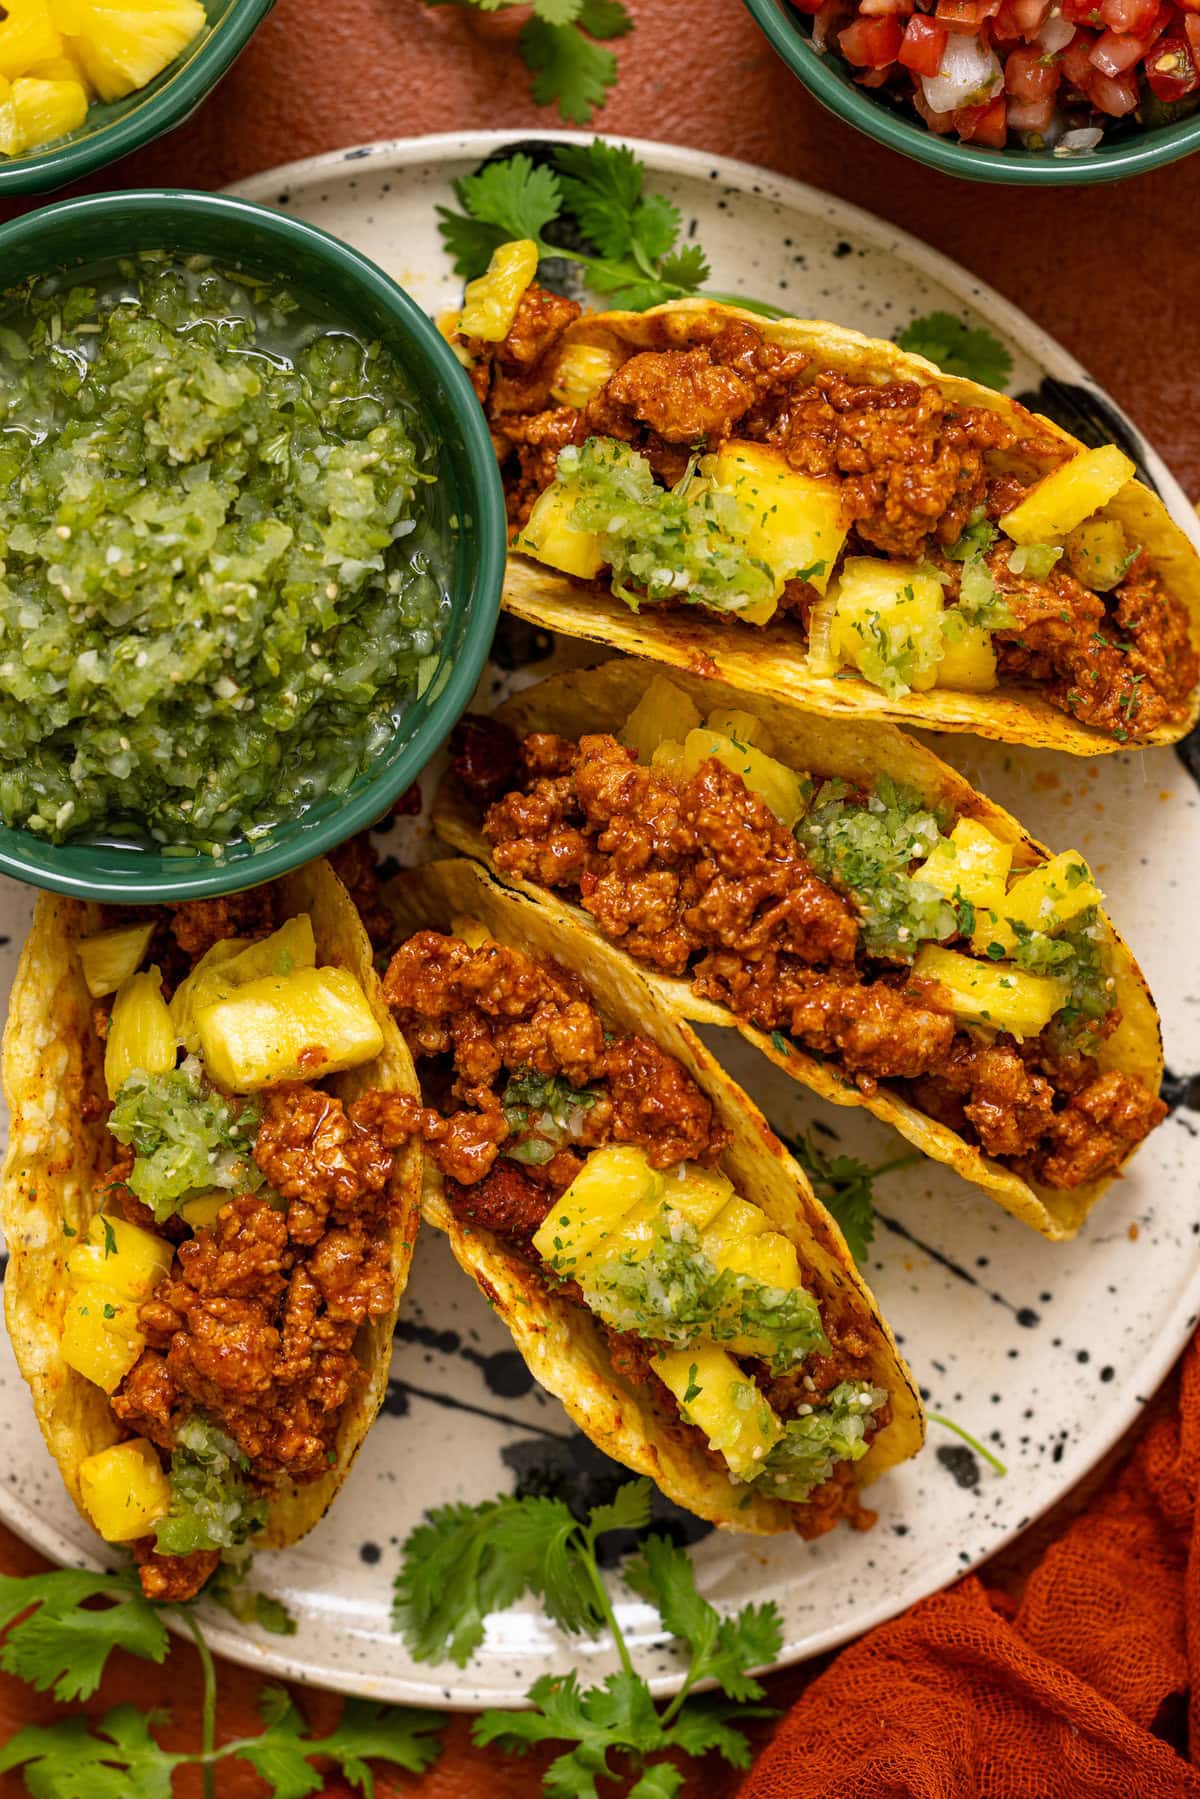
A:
x,y
1045,1352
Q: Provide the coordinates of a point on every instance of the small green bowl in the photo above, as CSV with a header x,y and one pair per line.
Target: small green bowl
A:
x,y
115,127
257,240
832,82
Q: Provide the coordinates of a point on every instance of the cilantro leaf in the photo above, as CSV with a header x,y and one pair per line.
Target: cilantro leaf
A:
x,y
520,196
567,67
686,267
280,1754
366,1730
723,1649
620,1715
61,1647
628,1509
601,185
67,1760
846,1188
452,1575
958,348
228,1587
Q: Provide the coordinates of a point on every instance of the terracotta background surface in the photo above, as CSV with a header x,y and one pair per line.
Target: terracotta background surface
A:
x,y
1113,272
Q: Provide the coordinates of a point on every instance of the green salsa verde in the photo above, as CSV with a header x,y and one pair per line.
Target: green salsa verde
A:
x,y
222,566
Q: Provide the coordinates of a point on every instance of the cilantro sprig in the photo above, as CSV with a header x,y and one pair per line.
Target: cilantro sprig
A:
x,y
846,1187
467,1561
561,46
59,1640
636,260
958,349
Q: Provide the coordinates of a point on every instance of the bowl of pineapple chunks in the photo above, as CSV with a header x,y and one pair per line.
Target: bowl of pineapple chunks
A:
x,y
83,82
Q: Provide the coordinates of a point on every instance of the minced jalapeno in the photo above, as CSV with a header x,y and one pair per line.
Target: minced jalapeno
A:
x,y
224,567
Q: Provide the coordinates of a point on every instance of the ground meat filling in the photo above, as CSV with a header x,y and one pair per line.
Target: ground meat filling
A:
x,y
912,468
703,880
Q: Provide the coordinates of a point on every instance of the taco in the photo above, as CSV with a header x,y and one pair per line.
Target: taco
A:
x,y
850,904
658,1256
821,517
208,1222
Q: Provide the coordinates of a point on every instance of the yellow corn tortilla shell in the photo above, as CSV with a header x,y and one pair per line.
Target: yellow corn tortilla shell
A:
x,y
562,1344
601,699
59,1145
771,659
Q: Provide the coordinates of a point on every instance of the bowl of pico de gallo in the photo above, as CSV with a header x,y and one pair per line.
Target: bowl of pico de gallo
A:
x,y
1033,92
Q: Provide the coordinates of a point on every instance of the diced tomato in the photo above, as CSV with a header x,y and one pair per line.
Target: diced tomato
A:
x,y
1005,29
965,15
924,42
984,124
1076,61
940,123
1171,67
1030,115
1191,25
1031,15
1115,95
1113,52
874,9
1081,12
1030,77
871,43
1132,16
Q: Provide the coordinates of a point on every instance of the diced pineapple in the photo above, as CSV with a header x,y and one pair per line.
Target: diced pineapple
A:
x,y
122,1256
201,988
887,623
777,786
470,931
550,537
124,47
696,1193
141,1036
586,1219
992,993
768,1258
973,865
233,963
203,1211
581,371
969,663
820,657
670,761
490,302
1062,500
100,1338
64,67
1048,898
47,110
298,1026
110,957
743,726
664,714
736,1222
28,35
716,1397
11,141
1098,553
124,1490
795,521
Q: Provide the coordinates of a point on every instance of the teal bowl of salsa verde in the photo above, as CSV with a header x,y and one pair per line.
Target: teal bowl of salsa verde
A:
x,y
115,128
1033,93
253,537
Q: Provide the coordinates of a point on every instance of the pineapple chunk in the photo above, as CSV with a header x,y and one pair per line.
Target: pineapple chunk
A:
x,y
972,865
887,623
140,1033
11,141
204,1210
737,1221
1098,553
1062,500
796,524
581,371
670,761
490,302
550,537
299,1026
697,1193
64,67
768,1258
587,1218
233,963
122,1256
124,47
47,109
1047,898
779,788
730,722
664,714
969,664
992,993
27,36
470,931
124,1490
200,988
100,1338
716,1397
110,957
821,659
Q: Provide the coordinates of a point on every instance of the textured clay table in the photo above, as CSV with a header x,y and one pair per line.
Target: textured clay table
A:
x,y
1113,272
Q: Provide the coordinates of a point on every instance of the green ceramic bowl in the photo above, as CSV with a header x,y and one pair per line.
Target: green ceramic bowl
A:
x,y
114,128
1133,152
258,240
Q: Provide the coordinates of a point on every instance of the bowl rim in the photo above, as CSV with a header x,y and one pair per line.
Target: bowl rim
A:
x,y
208,877
170,106
1137,156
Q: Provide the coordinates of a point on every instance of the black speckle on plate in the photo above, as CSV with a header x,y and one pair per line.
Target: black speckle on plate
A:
x,y
1091,418
960,1463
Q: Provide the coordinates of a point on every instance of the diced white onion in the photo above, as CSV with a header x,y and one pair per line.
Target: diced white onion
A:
x,y
1085,137
1055,34
970,74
